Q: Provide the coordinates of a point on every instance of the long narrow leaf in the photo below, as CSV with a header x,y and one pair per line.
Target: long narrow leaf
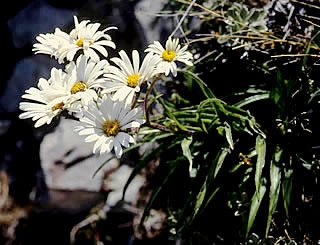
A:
x,y
143,163
275,181
203,86
255,204
252,99
185,144
157,191
200,198
217,163
227,130
210,197
261,153
153,100
113,157
287,189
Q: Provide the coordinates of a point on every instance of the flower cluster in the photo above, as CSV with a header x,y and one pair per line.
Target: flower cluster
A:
x,y
100,95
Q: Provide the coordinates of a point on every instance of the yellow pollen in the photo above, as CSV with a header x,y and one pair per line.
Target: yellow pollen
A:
x,y
133,80
111,127
168,55
58,106
78,87
80,42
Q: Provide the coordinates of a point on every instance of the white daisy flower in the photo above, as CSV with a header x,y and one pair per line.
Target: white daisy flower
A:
x,y
126,79
49,99
170,55
85,78
51,43
84,37
107,122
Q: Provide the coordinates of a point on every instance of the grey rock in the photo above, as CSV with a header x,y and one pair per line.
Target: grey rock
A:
x,y
37,17
68,162
26,74
115,183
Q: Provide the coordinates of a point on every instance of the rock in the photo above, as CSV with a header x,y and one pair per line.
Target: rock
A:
x,y
152,227
19,158
115,183
25,75
68,162
37,17
145,12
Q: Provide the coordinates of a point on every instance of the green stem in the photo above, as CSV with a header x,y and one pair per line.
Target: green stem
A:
x,y
146,108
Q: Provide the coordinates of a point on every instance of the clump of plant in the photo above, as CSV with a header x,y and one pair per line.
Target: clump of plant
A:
x,y
242,140
235,130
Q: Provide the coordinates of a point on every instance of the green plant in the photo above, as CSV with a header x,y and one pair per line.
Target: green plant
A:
x,y
217,162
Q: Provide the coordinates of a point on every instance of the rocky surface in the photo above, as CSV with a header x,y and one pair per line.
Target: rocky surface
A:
x,y
115,183
50,169
68,162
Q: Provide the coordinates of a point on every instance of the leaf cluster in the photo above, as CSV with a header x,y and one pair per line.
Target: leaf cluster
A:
x,y
242,138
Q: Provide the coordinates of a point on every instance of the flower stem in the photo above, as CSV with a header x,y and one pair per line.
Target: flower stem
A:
x,y
157,126
147,111
146,107
134,103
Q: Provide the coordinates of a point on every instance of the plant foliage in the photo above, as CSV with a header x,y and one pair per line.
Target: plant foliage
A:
x,y
240,149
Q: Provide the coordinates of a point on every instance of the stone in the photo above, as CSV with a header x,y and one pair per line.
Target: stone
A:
x,y
115,183
68,162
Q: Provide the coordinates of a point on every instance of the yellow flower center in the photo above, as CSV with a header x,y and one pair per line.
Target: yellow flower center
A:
x,y
58,106
168,55
111,127
80,42
79,87
133,80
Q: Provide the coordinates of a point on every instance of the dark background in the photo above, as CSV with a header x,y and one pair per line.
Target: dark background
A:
x,y
21,22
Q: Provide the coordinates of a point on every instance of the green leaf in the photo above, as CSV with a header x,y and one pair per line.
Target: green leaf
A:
x,y
261,154
275,181
156,192
213,171
153,100
287,189
187,153
252,99
148,141
113,157
255,204
200,199
210,197
227,130
144,162
203,86
217,163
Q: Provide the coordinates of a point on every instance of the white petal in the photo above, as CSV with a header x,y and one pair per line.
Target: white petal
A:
x,y
98,143
117,148
127,61
136,61
107,145
91,138
124,139
133,124
87,131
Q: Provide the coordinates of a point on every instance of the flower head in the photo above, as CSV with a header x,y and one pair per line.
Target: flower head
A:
x,y
169,55
106,124
125,79
85,76
84,37
48,100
